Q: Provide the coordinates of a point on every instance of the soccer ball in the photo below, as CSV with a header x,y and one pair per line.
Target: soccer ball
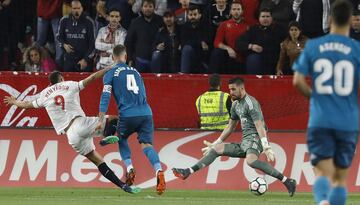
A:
x,y
258,186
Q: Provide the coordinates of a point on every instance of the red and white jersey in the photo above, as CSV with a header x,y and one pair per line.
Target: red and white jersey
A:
x,y
62,103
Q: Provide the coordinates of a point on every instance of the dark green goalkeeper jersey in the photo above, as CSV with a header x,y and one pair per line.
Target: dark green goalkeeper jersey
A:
x,y
247,110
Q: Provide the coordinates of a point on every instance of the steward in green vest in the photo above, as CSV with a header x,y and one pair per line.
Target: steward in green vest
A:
x,y
213,106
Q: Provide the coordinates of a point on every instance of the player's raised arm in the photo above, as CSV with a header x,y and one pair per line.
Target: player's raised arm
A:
x,y
94,76
299,81
10,100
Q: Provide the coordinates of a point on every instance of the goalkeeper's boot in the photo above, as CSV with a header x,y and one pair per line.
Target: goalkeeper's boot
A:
x,y
109,140
130,177
181,173
129,189
161,184
291,186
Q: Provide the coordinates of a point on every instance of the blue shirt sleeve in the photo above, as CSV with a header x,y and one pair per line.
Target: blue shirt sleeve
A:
x,y
303,62
106,94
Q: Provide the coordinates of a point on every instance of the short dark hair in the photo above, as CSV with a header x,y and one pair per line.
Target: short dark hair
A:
x,y
54,77
341,11
237,81
214,80
148,1
113,9
265,9
236,2
169,12
193,7
119,50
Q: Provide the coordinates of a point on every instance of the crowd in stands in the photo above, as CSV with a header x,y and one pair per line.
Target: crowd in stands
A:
x,y
162,36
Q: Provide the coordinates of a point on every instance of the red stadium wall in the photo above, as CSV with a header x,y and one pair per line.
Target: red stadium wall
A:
x,y
39,157
172,98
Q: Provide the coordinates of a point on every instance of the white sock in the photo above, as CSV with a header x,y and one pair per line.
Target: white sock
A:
x,y
191,170
284,179
129,167
157,171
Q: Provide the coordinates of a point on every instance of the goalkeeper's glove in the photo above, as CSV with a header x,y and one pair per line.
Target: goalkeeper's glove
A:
x,y
270,155
209,146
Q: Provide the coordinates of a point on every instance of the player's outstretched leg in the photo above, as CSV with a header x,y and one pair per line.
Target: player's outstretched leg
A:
x,y
125,154
203,162
108,173
252,161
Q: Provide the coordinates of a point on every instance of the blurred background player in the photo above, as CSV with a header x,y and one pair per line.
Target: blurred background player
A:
x,y
247,110
333,63
136,116
62,103
213,106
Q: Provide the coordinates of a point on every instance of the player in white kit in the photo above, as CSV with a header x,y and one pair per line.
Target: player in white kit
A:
x,y
62,103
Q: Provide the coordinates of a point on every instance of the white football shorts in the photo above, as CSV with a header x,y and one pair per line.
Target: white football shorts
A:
x,y
81,133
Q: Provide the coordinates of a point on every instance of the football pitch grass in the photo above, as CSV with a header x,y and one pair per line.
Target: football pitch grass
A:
x,y
106,196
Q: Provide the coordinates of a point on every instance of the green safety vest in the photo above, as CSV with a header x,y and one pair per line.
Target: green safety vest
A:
x,y
211,107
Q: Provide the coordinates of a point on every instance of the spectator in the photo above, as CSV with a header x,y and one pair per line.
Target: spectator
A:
x,y
181,13
28,26
281,10
11,32
194,39
219,12
108,37
250,8
291,48
76,37
355,25
49,14
225,54
165,57
104,6
160,6
141,36
36,59
262,44
213,106
313,16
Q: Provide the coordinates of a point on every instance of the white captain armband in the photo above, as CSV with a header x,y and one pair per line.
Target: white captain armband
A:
x,y
107,89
